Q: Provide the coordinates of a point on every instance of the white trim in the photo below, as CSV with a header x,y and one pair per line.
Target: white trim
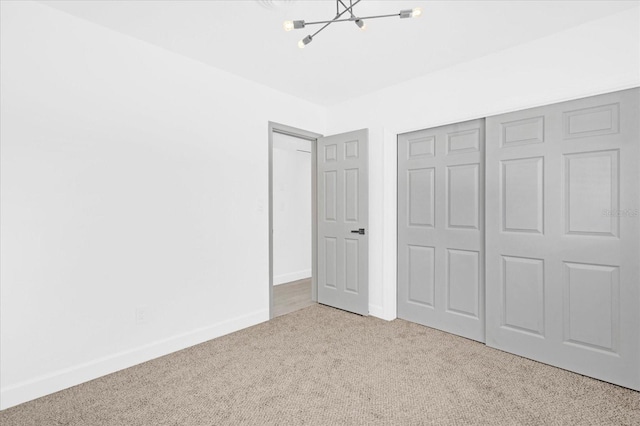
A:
x,y
389,226
291,276
376,311
72,376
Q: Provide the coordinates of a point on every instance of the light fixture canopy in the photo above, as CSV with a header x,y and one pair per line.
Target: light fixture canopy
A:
x,y
341,9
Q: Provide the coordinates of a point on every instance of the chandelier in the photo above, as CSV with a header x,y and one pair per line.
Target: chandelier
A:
x,y
341,9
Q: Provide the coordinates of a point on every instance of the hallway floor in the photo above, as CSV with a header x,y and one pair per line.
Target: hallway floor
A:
x,y
290,297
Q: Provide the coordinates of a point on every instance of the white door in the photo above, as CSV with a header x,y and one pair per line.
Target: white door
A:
x,y
343,217
441,228
563,235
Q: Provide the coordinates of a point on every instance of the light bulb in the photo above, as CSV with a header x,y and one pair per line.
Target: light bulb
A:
x,y
305,41
416,12
287,25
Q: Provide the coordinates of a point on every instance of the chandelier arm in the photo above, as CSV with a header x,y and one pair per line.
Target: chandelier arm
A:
x,y
334,19
349,8
329,22
352,19
346,9
325,26
379,16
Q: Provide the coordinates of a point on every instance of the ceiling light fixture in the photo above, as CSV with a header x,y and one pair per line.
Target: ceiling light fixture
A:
x,y
341,9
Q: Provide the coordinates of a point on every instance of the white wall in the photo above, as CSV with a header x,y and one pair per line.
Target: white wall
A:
x,y
596,57
291,208
130,177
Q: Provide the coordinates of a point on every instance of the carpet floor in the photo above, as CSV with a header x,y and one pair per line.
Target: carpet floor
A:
x,y
323,366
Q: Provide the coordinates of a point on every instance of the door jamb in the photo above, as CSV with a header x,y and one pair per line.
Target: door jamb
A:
x,y
313,138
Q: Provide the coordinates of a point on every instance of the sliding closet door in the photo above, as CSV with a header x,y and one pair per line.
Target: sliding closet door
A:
x,y
440,228
563,235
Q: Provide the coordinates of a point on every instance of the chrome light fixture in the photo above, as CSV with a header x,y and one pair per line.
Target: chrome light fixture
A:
x,y
341,9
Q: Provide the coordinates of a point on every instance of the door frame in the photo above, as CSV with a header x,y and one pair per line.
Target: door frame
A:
x,y
313,138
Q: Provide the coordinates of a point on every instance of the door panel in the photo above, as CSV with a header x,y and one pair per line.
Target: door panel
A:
x,y
421,275
463,270
440,228
343,255
563,235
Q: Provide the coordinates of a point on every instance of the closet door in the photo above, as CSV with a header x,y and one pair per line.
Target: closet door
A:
x,y
563,235
440,228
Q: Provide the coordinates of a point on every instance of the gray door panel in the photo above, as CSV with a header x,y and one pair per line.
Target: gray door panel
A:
x,y
343,207
440,228
563,235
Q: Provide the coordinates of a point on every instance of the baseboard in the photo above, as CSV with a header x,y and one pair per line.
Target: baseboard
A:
x,y
291,276
63,379
379,312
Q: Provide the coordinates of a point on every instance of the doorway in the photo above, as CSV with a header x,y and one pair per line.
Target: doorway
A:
x,y
292,219
339,216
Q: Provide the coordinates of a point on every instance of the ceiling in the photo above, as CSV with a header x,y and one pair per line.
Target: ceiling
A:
x,y
246,37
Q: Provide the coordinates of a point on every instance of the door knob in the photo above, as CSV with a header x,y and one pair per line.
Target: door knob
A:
x,y
358,231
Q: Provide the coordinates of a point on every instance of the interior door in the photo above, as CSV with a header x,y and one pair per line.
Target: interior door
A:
x,y
441,228
563,235
343,217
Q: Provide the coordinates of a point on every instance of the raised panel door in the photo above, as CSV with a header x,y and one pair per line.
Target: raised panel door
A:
x,y
563,235
440,228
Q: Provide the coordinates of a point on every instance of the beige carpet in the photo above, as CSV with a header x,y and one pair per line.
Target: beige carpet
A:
x,y
323,366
